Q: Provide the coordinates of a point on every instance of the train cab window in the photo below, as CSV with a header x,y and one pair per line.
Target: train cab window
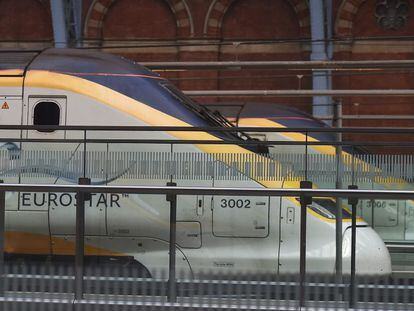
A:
x,y
327,208
46,113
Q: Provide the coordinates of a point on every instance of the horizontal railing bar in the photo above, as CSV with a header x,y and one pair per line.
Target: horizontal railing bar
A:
x,y
401,144
40,276
343,193
302,93
209,303
152,280
391,130
320,65
226,282
157,303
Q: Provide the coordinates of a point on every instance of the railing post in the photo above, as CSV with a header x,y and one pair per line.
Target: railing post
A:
x,y
339,215
304,202
84,154
81,197
353,202
2,233
172,290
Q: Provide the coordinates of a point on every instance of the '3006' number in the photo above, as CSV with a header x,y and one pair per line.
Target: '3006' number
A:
x,y
232,203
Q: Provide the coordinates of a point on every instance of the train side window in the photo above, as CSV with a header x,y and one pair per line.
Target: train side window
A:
x,y
46,113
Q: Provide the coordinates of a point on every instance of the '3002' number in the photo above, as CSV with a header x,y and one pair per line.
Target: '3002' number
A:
x,y
232,203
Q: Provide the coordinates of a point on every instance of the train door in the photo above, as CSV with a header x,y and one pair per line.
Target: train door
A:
x,y
244,228
36,167
385,216
193,218
240,216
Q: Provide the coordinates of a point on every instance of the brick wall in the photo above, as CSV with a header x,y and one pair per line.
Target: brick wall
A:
x,y
357,18
26,21
213,27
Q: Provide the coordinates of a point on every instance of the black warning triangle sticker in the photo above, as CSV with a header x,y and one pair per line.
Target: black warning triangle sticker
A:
x,y
5,106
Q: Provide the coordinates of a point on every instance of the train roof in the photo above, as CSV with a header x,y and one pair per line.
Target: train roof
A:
x,y
118,74
128,78
19,60
81,61
71,61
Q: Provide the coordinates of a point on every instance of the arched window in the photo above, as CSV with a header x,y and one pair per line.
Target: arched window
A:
x,y
46,113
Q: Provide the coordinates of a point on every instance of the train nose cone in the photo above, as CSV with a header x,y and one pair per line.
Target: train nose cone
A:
x,y
372,256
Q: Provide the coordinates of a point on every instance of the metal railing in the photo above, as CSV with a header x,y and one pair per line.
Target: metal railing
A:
x,y
173,290
296,164
304,130
210,129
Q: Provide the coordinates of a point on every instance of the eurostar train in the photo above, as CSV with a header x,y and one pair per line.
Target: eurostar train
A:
x,y
223,234
392,219
251,114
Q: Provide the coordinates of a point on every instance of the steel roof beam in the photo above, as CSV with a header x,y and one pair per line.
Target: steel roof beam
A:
x,y
301,93
294,65
60,31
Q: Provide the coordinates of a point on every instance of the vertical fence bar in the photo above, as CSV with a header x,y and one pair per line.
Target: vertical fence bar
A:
x,y
2,230
306,155
339,216
304,202
353,202
81,197
84,154
172,286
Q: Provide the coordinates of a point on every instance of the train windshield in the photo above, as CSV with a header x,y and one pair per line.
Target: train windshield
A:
x,y
213,118
327,208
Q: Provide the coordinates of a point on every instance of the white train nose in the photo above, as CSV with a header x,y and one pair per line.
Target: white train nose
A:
x,y
372,256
